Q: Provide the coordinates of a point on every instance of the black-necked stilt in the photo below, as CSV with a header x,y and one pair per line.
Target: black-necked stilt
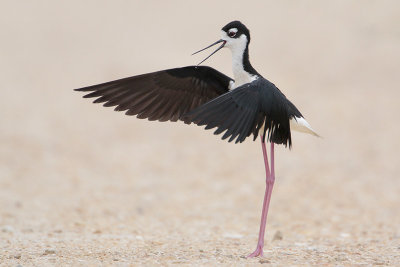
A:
x,y
248,104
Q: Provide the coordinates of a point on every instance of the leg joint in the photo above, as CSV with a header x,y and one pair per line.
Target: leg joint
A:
x,y
270,180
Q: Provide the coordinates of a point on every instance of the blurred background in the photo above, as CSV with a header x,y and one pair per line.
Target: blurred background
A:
x,y
81,184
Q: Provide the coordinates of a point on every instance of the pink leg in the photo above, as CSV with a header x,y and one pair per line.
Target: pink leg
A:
x,y
270,179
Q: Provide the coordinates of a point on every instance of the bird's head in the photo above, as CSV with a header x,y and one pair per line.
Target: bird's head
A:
x,y
234,36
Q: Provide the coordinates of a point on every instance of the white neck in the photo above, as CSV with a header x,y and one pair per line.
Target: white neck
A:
x,y
240,75
237,47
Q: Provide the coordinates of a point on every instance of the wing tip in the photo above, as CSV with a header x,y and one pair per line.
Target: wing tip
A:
x,y
83,89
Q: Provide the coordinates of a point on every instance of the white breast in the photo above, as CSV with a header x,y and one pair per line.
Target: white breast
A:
x,y
242,77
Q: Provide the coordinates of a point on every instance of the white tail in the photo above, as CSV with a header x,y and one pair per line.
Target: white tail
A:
x,y
299,124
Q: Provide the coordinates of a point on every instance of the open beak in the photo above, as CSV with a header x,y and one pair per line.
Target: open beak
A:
x,y
217,42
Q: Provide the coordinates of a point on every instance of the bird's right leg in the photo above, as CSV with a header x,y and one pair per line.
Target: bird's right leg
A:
x,y
270,179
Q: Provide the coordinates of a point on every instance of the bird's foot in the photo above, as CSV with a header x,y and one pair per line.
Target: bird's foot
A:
x,y
257,252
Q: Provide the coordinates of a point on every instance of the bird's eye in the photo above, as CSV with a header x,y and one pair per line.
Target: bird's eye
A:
x,y
232,34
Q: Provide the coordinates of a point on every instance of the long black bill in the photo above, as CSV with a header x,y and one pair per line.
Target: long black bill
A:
x,y
217,42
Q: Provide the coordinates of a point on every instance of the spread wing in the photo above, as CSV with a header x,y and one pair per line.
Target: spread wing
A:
x,y
162,95
248,109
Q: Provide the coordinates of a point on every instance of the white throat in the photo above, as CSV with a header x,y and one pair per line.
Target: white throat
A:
x,y
237,47
240,75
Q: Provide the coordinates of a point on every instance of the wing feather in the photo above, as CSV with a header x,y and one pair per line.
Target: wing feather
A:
x,y
247,110
162,95
200,95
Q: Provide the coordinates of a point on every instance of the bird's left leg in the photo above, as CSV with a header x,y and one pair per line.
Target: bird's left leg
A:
x,y
270,179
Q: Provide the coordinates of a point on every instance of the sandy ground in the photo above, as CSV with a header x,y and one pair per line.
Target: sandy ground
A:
x,y
81,185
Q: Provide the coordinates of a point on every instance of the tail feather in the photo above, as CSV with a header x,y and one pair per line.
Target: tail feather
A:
x,y
299,124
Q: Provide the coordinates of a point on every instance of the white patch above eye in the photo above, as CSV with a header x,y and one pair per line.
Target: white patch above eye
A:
x,y
234,30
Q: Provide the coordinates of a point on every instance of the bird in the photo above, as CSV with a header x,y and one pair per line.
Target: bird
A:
x,y
237,108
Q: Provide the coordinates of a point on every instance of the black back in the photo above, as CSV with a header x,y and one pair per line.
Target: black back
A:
x,y
244,110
